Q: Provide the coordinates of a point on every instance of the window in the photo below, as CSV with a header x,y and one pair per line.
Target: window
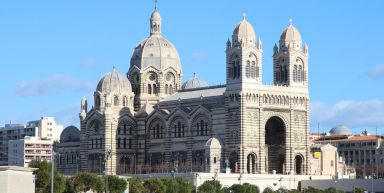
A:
x,y
214,160
253,70
154,89
130,143
295,73
247,69
166,89
149,89
118,143
116,101
101,143
331,163
125,129
125,143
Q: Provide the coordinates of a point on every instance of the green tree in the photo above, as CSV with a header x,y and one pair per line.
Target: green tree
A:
x,y
237,188
171,185
43,177
333,190
358,190
116,184
87,181
268,190
185,186
212,186
136,185
293,191
154,186
311,189
250,188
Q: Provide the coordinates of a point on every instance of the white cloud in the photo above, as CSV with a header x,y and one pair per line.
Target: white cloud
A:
x,y
199,56
55,84
354,114
376,72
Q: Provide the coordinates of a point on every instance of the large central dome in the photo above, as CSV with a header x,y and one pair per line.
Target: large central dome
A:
x,y
155,51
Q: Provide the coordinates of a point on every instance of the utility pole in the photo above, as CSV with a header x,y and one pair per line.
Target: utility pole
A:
x,y
108,154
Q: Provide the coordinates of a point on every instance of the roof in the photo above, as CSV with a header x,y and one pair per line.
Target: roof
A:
x,y
114,82
194,82
353,138
70,134
244,29
291,34
197,93
17,168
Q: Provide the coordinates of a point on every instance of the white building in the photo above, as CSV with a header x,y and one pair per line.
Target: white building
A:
x,y
14,179
45,128
22,151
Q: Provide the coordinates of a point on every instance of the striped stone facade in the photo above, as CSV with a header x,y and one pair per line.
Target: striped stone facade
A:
x,y
241,127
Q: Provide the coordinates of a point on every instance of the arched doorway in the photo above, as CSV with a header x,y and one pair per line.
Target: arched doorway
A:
x,y
234,162
251,163
299,164
125,165
275,141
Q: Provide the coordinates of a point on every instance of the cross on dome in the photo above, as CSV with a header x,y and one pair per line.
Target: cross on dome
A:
x,y
290,21
244,14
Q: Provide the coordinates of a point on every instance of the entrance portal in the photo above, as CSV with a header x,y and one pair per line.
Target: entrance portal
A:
x,y
275,141
251,164
299,164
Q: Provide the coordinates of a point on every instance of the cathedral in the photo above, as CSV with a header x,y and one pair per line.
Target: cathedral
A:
x,y
149,121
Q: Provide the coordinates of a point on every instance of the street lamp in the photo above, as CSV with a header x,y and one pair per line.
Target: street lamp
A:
x,y
108,154
197,175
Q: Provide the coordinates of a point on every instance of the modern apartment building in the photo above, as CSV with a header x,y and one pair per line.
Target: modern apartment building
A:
x,y
22,151
44,128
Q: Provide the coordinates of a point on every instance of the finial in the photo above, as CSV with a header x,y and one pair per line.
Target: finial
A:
x,y
290,21
114,68
155,4
244,14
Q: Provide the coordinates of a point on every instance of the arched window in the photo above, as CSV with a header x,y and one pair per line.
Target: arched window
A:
x,y
154,89
201,127
295,73
125,129
157,131
92,144
286,74
299,74
234,70
125,101
166,89
130,143
116,101
238,69
98,102
118,143
149,89
198,129
101,143
170,89
179,129
257,72
125,143
253,66
96,143
247,69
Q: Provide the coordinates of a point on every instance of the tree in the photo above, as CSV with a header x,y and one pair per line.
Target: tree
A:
x,y
333,190
212,186
237,188
87,181
116,184
293,191
268,190
136,185
250,188
154,186
185,186
43,177
311,189
358,190
171,185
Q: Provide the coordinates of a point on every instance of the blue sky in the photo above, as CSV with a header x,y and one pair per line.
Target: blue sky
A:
x,y
53,53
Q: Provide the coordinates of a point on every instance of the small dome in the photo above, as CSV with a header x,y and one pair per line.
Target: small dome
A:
x,y
340,130
244,29
70,134
114,82
155,15
194,82
290,34
213,143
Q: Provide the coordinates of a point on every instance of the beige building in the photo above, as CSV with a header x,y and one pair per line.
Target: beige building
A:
x,y
14,179
326,161
45,128
152,122
22,151
363,152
